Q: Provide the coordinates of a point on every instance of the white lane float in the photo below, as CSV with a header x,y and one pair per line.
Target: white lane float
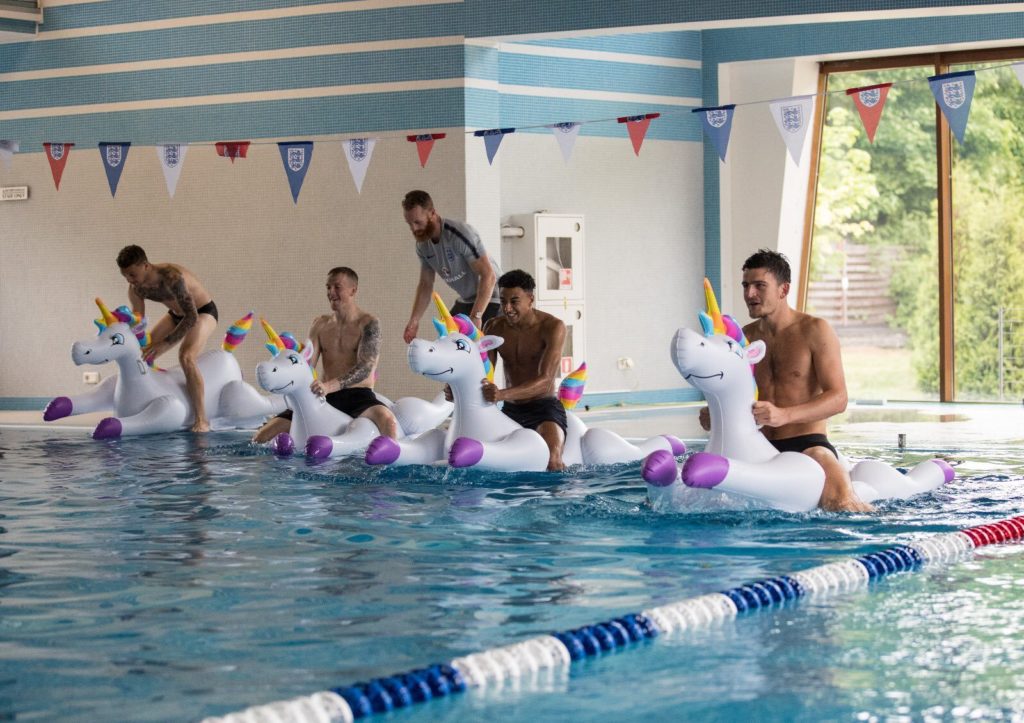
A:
x,y
147,400
739,459
317,427
480,435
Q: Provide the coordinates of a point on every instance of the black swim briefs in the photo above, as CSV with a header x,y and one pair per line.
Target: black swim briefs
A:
x,y
353,401
802,442
533,413
207,308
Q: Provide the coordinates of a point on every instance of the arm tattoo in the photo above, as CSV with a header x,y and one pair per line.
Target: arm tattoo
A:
x,y
176,284
366,356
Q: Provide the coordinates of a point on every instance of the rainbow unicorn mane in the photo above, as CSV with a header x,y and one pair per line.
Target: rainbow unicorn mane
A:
x,y
461,324
714,322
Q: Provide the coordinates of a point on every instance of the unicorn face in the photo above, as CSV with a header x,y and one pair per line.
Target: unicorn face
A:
x,y
115,342
288,371
714,363
451,357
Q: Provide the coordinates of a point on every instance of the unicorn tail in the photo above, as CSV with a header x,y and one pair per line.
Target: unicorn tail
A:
x,y
570,391
236,332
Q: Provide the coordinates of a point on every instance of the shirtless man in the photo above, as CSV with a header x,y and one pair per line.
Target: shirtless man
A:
x,y
348,342
191,317
530,355
800,381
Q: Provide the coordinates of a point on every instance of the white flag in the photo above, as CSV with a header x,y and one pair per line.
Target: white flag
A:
x,y
172,158
793,117
565,134
7,151
358,152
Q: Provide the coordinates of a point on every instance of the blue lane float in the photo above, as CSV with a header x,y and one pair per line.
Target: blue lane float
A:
x,y
559,650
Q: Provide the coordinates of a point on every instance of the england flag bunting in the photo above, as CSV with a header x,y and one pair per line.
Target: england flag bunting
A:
x,y
637,126
233,149
296,156
424,145
57,155
717,124
358,152
492,140
793,117
953,92
870,100
114,156
566,135
172,158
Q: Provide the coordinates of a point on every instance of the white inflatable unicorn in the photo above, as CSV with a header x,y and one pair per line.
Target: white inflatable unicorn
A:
x,y
480,435
316,426
146,400
739,459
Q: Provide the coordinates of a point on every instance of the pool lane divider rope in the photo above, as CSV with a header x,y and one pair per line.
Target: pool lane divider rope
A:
x,y
558,650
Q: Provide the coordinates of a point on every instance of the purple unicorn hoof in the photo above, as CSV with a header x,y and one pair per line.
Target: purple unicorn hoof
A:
x,y
947,471
659,468
283,445
705,470
319,447
465,452
58,408
382,450
109,428
678,445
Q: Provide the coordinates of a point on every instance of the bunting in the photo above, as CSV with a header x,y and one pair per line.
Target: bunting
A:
x,y
424,145
296,156
172,158
793,117
637,126
57,155
358,152
717,123
492,140
233,149
7,151
870,100
953,92
566,135
114,156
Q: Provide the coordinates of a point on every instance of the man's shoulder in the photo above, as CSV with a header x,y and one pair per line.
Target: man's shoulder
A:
x,y
459,229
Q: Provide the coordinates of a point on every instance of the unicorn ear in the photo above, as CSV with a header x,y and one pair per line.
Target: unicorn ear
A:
x,y
755,351
487,343
308,351
706,324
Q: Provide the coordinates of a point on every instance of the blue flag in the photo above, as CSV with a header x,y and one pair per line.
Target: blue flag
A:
x,y
492,139
954,92
717,124
296,156
114,156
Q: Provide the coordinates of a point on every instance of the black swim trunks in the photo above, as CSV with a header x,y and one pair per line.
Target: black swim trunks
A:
x,y
535,412
353,401
208,308
802,442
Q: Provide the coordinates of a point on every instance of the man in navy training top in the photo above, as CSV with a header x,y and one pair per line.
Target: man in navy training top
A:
x,y
452,249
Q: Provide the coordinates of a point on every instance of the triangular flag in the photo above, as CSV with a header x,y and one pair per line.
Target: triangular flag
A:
x,y
717,123
233,149
954,92
492,140
566,135
424,145
870,100
793,117
114,156
57,155
358,151
296,155
637,127
7,151
172,158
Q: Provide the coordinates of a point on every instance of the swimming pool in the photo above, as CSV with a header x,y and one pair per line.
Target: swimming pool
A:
x,y
180,577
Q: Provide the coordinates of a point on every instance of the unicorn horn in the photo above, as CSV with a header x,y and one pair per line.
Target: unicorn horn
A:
x,y
445,315
271,334
108,318
711,304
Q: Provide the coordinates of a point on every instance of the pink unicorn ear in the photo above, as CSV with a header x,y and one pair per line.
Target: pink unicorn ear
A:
x,y
487,343
307,351
755,351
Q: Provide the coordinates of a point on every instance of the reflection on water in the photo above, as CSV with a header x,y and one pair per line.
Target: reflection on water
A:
x,y
178,577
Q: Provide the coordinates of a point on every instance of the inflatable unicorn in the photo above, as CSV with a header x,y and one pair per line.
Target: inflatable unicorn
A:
x,y
739,459
149,400
479,434
316,426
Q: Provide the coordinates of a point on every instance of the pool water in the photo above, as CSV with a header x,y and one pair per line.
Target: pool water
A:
x,y
177,577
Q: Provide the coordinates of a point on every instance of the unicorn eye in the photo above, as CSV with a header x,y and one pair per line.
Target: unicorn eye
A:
x,y
293,359
461,345
117,339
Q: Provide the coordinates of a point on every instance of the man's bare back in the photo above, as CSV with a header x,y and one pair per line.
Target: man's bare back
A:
x,y
173,286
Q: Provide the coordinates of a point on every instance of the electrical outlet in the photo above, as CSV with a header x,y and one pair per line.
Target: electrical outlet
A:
x,y
91,377
624,363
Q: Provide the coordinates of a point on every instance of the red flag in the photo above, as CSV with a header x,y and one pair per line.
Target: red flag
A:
x,y
57,154
233,149
870,100
637,127
424,144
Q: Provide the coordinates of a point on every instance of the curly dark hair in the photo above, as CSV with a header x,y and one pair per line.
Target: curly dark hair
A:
x,y
777,264
517,279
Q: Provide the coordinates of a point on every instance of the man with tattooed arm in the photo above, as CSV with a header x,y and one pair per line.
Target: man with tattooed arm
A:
x,y
348,343
191,317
